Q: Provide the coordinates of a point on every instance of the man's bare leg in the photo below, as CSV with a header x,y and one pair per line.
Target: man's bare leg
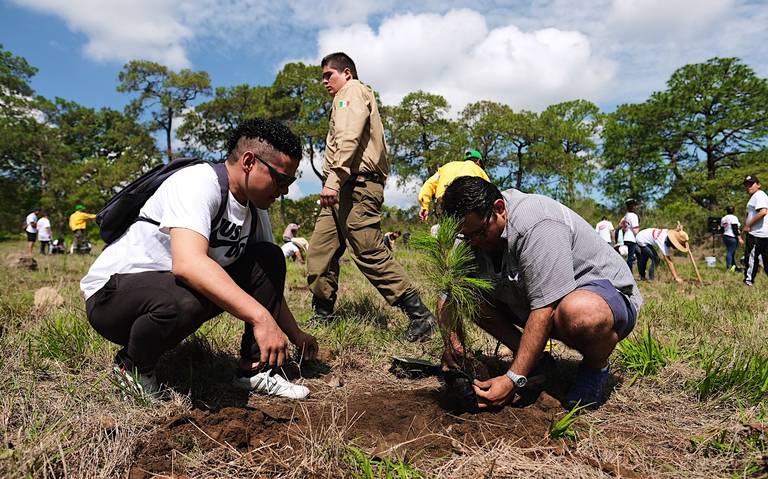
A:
x,y
584,322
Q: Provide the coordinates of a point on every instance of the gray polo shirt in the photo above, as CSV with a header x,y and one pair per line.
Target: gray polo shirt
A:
x,y
551,251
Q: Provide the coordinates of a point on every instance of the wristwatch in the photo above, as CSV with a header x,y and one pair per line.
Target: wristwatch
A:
x,y
517,379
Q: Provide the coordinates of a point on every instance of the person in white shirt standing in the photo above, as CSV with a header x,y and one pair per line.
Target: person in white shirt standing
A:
x,y
731,237
30,227
630,225
604,228
756,228
44,232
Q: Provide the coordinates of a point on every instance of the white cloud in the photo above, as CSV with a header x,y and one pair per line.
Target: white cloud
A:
x,y
402,196
123,30
658,19
458,56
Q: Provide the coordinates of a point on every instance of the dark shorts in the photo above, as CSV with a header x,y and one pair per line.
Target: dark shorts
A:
x,y
31,237
624,313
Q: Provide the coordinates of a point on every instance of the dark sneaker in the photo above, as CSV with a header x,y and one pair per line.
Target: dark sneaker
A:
x,y
587,390
420,330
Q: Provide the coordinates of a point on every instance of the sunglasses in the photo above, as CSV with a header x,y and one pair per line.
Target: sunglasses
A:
x,y
281,179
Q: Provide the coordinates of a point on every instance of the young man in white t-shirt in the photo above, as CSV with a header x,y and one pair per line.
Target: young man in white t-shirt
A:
x,y
731,237
30,227
44,232
664,239
630,225
756,228
604,228
158,283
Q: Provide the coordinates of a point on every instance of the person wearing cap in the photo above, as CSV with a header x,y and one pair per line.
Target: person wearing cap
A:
x,y
435,186
630,226
756,228
664,239
553,278
78,221
355,170
296,249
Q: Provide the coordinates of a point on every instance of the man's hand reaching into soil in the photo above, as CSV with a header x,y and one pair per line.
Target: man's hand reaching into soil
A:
x,y
494,392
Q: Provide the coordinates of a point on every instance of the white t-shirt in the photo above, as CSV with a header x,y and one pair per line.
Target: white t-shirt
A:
x,y
604,229
632,221
649,236
188,199
726,223
758,201
44,229
31,223
289,249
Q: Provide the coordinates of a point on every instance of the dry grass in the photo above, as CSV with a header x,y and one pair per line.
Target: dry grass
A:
x,y
60,416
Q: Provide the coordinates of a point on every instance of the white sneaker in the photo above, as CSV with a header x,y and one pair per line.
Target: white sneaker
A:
x,y
273,385
135,383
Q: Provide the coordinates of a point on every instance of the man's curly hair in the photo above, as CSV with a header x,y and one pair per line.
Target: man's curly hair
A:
x,y
263,130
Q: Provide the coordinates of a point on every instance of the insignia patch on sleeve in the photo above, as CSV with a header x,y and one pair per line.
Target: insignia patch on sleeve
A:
x,y
343,103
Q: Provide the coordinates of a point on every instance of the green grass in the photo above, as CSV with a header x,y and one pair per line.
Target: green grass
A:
x,y
730,374
563,427
644,355
364,467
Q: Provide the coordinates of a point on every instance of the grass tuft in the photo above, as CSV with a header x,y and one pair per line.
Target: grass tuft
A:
x,y
730,373
563,427
364,467
644,355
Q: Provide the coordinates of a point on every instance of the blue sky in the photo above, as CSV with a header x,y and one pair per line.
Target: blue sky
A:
x,y
527,53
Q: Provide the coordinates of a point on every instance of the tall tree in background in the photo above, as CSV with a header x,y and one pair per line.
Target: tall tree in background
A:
x,y
570,130
419,134
691,142
205,129
482,124
97,153
299,97
523,131
162,92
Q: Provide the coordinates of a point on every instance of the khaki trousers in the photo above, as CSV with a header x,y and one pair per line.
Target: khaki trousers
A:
x,y
359,227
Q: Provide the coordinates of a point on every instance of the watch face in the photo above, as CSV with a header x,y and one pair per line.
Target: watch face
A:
x,y
522,381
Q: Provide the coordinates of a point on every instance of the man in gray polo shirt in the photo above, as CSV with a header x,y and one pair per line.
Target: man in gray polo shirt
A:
x,y
553,276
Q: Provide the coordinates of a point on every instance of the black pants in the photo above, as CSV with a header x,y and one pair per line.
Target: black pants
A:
x,y
755,248
645,253
44,246
631,253
149,313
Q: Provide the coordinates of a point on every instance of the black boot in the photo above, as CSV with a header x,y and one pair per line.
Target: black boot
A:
x,y
422,322
323,310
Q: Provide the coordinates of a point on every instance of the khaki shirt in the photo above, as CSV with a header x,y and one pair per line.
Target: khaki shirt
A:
x,y
355,141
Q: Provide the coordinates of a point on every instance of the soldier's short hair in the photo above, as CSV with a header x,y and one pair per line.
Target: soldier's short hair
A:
x,y
339,61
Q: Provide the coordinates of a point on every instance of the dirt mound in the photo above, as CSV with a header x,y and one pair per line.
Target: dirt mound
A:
x,y
47,297
404,423
18,261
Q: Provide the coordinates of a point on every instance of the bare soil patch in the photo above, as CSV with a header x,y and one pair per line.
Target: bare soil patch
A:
x,y
414,423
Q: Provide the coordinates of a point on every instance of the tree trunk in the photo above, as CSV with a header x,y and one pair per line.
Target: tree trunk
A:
x,y
519,174
168,132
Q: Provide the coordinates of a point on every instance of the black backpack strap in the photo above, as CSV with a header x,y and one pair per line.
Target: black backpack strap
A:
x,y
223,177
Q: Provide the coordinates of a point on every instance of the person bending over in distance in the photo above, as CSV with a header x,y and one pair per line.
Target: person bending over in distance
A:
x,y
553,278
664,239
296,249
158,283
390,238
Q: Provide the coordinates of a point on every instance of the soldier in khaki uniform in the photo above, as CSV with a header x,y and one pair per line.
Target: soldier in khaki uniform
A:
x,y
355,169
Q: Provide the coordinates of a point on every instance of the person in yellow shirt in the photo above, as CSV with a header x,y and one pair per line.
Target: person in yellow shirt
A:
x,y
78,221
436,184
